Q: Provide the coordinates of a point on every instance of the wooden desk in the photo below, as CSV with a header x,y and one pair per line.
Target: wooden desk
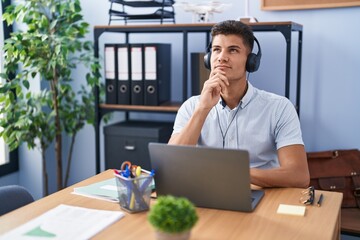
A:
x,y
264,223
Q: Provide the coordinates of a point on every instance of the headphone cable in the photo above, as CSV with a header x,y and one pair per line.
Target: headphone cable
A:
x,y
222,133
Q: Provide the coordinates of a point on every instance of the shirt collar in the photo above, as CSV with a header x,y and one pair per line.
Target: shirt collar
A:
x,y
248,95
244,101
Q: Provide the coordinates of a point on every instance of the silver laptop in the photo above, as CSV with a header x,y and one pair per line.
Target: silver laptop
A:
x,y
209,177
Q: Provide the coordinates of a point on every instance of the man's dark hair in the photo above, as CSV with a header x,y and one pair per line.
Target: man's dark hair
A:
x,y
236,28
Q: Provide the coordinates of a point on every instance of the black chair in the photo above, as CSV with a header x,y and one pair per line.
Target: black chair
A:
x,y
13,197
164,11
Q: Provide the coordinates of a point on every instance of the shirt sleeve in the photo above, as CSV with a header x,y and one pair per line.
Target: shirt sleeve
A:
x,y
288,130
184,114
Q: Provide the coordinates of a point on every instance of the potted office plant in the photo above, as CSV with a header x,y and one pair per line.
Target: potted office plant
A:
x,y
49,48
172,217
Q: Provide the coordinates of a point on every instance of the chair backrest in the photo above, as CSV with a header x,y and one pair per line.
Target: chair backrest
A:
x,y
13,197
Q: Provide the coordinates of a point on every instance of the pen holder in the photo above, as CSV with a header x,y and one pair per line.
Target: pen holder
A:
x,y
134,193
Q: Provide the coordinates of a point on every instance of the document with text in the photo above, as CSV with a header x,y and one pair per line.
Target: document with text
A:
x,y
65,222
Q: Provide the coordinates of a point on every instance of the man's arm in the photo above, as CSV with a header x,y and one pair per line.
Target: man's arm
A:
x,y
189,135
293,170
210,96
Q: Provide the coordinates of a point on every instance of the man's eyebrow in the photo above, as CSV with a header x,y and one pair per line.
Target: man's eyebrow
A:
x,y
234,46
231,46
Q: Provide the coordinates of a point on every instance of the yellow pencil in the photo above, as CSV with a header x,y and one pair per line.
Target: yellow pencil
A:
x,y
132,200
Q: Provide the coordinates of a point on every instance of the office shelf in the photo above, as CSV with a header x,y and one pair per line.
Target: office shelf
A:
x,y
170,107
285,28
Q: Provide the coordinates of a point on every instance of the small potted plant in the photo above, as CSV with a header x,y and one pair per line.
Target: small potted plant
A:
x,y
172,217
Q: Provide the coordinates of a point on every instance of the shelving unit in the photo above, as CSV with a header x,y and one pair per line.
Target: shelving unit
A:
x,y
285,28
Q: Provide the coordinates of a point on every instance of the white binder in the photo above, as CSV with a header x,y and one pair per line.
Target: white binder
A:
x,y
110,81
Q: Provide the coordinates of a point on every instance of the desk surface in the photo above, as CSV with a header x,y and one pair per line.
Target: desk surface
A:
x,y
264,223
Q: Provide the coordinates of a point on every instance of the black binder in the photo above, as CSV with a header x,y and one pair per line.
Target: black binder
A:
x,y
157,73
123,74
199,73
110,73
137,74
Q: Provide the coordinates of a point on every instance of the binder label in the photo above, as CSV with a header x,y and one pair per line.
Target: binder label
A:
x,y
123,65
150,63
136,59
110,62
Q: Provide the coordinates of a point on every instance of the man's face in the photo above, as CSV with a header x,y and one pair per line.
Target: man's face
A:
x,y
229,54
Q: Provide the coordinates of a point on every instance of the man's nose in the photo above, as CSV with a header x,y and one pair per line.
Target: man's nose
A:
x,y
223,57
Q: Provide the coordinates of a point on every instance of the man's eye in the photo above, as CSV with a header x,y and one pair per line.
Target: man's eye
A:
x,y
233,50
216,49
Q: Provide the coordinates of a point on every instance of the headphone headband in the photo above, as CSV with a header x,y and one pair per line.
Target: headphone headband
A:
x,y
258,46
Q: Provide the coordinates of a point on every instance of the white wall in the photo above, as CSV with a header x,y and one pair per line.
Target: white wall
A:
x,y
329,114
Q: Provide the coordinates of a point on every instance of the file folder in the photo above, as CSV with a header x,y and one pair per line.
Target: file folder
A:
x,y
157,73
123,74
199,73
110,73
137,83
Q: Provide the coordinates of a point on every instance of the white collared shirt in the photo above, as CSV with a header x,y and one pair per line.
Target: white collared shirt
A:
x,y
263,122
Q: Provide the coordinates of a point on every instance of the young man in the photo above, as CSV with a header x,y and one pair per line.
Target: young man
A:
x,y
231,113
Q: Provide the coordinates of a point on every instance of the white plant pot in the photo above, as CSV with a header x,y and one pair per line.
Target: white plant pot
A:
x,y
172,236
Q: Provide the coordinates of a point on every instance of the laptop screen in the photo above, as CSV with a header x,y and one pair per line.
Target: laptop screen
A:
x,y
209,177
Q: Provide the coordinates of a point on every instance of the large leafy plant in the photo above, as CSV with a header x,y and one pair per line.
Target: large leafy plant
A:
x,y
51,46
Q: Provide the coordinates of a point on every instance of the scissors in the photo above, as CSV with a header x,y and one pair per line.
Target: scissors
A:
x,y
129,169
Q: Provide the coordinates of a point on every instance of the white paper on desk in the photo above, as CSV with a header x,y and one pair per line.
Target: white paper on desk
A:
x,y
104,190
65,222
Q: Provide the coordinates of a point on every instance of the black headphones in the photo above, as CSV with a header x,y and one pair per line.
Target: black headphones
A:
x,y
252,62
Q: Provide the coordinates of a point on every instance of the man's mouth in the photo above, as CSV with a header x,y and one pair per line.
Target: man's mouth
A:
x,y
221,66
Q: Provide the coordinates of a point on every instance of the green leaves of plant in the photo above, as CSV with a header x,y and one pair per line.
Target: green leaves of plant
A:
x,y
172,214
51,46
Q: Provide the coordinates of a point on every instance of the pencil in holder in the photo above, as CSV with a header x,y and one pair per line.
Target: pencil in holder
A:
x,y
134,193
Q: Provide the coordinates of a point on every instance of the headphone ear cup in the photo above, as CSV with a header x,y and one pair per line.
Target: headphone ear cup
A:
x,y
252,63
207,58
